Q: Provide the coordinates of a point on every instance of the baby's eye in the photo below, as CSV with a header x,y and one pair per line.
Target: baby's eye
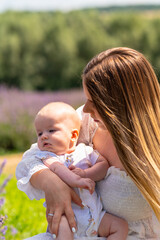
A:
x,y
51,130
39,134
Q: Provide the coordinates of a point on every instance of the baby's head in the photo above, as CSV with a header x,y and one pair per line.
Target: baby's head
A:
x,y
57,125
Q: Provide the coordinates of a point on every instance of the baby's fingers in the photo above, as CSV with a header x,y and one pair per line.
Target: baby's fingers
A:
x,y
71,167
91,186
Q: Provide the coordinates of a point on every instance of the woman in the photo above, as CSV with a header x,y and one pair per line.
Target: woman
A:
x,y
123,98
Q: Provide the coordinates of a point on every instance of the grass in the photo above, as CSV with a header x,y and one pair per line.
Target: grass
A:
x,y
27,216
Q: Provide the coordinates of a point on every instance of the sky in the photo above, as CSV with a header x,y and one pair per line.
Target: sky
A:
x,y
65,5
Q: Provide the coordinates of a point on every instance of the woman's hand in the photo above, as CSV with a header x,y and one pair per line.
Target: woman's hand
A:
x,y
59,202
58,198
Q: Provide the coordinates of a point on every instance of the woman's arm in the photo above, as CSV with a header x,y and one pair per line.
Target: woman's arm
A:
x,y
37,181
58,197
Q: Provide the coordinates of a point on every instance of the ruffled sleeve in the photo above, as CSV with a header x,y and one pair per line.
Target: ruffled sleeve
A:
x,y
29,165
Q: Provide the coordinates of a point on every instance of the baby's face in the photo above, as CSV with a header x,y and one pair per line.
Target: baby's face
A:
x,y
53,134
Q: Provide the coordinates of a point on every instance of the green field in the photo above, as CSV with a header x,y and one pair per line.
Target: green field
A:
x,y
28,217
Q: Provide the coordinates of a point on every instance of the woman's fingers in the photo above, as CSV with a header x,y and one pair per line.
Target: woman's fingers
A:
x,y
71,219
49,216
76,199
58,197
54,222
66,209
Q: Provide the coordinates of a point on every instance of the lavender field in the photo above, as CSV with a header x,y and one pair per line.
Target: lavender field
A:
x,y
17,112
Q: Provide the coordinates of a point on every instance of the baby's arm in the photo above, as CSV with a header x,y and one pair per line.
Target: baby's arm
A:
x,y
69,177
96,172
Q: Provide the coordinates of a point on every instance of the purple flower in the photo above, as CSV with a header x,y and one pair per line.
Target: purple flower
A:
x,y
4,183
16,103
14,231
2,165
2,200
4,229
1,220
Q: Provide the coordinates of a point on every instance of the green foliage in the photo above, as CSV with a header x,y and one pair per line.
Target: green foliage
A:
x,y
49,50
17,136
26,216
18,110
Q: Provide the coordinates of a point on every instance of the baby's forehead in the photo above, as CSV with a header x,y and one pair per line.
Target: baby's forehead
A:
x,y
59,112
53,113
56,116
58,109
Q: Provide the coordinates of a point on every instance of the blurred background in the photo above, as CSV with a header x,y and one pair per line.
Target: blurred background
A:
x,y
43,53
44,46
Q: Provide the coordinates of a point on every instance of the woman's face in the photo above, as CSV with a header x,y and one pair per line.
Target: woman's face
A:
x,y
90,108
102,140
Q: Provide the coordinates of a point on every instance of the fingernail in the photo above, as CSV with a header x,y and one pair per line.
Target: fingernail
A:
x,y
54,236
83,205
73,230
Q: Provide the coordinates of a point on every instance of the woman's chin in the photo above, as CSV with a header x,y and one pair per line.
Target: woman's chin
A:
x,y
101,125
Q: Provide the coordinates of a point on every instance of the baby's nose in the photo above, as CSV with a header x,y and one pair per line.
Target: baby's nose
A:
x,y
44,136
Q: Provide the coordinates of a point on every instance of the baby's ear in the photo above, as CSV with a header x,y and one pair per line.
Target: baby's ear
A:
x,y
75,134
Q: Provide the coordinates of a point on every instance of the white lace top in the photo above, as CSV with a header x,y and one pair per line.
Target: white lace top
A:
x,y
119,194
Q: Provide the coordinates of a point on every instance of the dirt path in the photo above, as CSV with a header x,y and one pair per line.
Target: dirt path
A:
x,y
12,161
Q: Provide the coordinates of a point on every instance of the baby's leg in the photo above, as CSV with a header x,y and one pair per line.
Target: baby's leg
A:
x,y
64,230
113,228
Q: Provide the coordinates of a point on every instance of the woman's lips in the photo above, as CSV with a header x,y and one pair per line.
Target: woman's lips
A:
x,y
96,120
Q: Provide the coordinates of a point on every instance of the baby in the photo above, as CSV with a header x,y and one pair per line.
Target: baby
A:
x,y
57,125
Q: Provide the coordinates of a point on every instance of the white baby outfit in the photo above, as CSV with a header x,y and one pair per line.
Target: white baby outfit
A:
x,y
119,194
89,217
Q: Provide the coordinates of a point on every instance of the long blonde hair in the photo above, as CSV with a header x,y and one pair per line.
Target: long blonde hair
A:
x,y
126,94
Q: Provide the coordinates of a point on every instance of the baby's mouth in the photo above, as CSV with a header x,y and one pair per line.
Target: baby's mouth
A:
x,y
45,144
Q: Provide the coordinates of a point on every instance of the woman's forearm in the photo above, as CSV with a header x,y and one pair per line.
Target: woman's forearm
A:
x,y
49,182
42,178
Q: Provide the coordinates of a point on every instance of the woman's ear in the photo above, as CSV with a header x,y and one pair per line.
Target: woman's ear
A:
x,y
74,136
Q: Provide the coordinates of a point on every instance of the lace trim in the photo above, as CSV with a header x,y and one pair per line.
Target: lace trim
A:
x,y
116,171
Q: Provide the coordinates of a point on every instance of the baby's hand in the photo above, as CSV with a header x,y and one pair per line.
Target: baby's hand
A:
x,y
83,182
87,183
80,172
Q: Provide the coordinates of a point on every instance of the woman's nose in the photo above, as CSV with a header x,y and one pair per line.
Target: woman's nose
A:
x,y
86,108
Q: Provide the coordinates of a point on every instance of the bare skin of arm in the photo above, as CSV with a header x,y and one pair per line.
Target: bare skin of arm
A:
x,y
58,197
96,172
69,177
